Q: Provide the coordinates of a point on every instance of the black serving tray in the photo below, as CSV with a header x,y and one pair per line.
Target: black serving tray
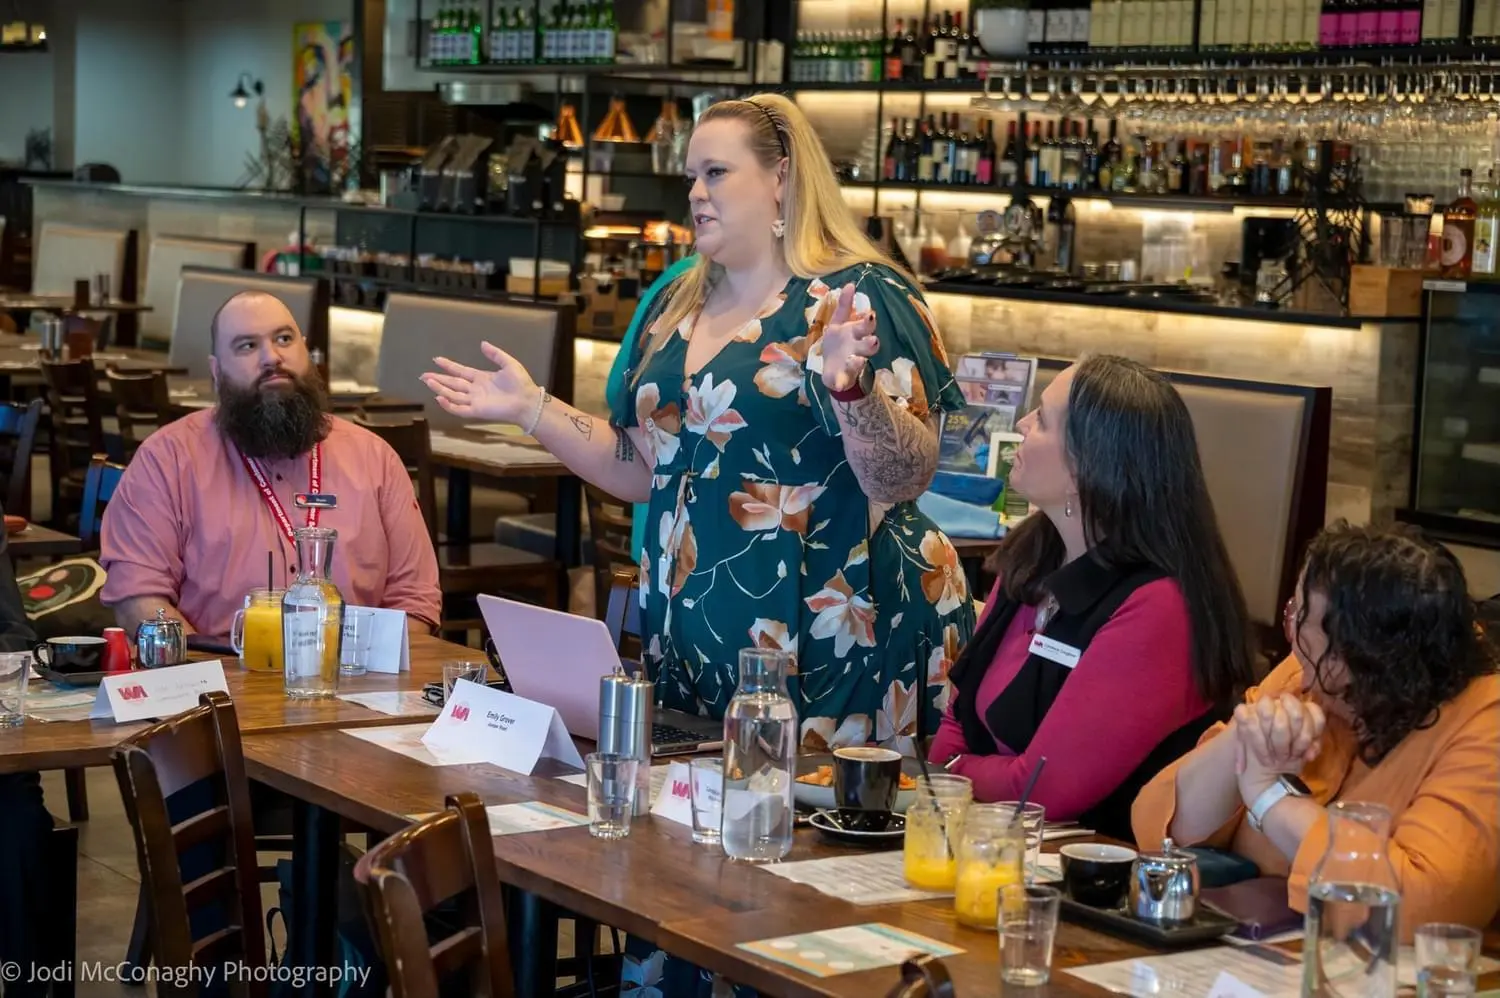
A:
x,y
71,678
1205,925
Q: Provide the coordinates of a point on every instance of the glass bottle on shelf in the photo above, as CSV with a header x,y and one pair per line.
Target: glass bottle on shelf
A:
x,y
312,618
760,759
1486,230
1352,898
1457,257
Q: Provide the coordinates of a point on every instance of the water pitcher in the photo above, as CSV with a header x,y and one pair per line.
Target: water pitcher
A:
x,y
1353,902
760,759
312,618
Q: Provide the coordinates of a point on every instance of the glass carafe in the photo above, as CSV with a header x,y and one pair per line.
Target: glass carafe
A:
x,y
312,618
1353,906
934,823
760,759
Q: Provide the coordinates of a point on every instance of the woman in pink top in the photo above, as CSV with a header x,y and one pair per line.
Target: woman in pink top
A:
x,y
1116,633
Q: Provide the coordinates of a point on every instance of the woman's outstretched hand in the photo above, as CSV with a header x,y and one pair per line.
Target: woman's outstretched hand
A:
x,y
506,394
849,341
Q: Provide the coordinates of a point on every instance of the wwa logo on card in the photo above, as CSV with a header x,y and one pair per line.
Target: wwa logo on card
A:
x,y
134,693
480,724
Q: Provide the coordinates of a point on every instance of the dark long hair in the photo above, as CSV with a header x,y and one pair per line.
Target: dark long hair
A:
x,y
1400,618
1143,501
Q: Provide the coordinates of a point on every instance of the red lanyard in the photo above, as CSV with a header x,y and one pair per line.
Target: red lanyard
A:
x,y
314,486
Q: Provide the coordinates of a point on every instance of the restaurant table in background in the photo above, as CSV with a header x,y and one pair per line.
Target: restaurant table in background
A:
x,y
19,355
65,304
37,541
187,394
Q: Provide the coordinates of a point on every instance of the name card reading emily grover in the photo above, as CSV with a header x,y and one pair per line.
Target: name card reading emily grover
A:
x,y
480,724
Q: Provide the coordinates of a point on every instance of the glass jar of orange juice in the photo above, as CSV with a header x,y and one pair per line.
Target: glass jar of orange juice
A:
x,y
991,856
933,825
255,634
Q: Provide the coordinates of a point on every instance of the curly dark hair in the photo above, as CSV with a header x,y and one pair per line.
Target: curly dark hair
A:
x,y
1400,618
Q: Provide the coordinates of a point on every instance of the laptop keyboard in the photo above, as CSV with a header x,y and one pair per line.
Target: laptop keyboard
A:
x,y
670,734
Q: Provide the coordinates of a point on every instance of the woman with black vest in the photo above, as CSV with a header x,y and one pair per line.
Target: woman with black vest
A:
x,y
1116,633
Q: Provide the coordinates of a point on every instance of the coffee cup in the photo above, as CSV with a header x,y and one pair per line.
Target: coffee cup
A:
x,y
1096,874
865,781
71,654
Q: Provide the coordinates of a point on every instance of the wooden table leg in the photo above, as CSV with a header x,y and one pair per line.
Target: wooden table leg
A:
x,y
460,489
569,542
315,890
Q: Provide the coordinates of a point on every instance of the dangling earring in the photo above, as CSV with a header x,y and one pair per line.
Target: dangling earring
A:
x,y
1068,508
778,228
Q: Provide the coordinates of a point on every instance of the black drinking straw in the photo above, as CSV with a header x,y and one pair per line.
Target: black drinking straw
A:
x,y
1030,786
927,782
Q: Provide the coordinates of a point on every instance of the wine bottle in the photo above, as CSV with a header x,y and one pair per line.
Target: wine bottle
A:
x,y
892,152
1010,158
984,169
924,157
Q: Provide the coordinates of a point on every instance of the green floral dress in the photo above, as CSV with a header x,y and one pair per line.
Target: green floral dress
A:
x,y
759,533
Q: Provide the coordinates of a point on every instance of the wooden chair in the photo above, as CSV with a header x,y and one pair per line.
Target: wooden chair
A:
x,y
142,404
465,570
609,529
18,423
197,746
7,324
622,613
77,428
445,857
924,977
99,486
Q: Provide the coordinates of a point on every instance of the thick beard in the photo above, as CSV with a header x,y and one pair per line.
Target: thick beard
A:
x,y
273,425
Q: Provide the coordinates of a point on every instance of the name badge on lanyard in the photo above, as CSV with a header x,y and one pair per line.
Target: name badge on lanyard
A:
x,y
1055,651
316,500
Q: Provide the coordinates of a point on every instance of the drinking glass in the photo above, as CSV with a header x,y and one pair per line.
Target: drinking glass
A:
x,y
706,788
359,632
1027,923
991,853
611,787
1033,818
454,671
255,635
15,673
934,822
1447,959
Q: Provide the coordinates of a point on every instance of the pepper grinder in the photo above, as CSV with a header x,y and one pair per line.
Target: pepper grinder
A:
x,y
625,709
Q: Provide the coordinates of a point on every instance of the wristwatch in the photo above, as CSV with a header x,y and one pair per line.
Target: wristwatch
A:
x,y
1285,786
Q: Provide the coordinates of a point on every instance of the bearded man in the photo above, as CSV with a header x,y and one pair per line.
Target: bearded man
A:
x,y
208,497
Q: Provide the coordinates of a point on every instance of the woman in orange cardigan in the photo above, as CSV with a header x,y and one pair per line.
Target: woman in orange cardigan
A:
x,y
1391,697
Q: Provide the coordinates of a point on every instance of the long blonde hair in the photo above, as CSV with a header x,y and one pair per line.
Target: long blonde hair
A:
x,y
821,234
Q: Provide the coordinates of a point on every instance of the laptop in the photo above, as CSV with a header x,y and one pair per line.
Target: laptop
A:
x,y
558,658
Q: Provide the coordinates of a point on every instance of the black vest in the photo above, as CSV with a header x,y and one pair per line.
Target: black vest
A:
x,y
1088,593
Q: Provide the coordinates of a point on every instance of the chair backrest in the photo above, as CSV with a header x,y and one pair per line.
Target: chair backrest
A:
x,y
69,253
419,327
622,615
77,414
1264,449
446,857
18,423
202,290
924,977
609,530
199,747
142,403
411,439
165,258
98,489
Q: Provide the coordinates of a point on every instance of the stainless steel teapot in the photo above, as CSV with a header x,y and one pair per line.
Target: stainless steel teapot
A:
x,y
160,642
1164,885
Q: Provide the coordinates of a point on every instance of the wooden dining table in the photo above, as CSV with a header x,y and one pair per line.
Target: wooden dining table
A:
x,y
20,357
37,541
187,394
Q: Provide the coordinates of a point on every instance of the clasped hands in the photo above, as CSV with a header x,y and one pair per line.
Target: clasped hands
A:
x,y
1276,735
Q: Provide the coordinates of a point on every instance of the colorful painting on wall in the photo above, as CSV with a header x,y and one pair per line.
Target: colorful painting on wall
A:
x,y
323,82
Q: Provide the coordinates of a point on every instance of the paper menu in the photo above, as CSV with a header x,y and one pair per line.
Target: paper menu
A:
x,y
1193,974
864,878
849,949
397,703
530,816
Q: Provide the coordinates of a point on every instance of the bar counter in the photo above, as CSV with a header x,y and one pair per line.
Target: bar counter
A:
x,y
1371,363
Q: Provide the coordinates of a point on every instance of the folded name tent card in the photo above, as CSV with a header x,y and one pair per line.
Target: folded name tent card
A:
x,y
674,802
480,724
390,648
152,693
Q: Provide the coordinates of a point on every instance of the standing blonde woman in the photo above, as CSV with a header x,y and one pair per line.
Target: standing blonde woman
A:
x,y
781,419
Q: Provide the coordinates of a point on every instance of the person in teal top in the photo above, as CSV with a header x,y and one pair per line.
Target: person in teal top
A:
x,y
616,391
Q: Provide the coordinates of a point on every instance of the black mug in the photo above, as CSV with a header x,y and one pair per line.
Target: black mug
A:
x,y
865,782
70,655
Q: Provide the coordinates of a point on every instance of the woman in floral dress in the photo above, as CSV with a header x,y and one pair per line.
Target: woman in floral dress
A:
x,y
782,419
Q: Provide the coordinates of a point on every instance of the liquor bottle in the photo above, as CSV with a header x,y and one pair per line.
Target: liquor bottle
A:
x,y
1457,258
1090,179
1010,158
1177,170
1198,171
1071,169
1051,159
1033,160
1110,158
1486,230
941,165
984,169
893,52
892,152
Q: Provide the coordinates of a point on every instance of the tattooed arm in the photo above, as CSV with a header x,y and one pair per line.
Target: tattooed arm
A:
x,y
894,453
608,456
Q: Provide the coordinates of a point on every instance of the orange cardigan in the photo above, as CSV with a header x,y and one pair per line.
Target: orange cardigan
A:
x,y
1441,784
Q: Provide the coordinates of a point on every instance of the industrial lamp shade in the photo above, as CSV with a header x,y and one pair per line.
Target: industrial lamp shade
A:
x,y
239,95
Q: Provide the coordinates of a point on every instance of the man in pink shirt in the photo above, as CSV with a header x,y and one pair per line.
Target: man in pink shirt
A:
x,y
208,497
